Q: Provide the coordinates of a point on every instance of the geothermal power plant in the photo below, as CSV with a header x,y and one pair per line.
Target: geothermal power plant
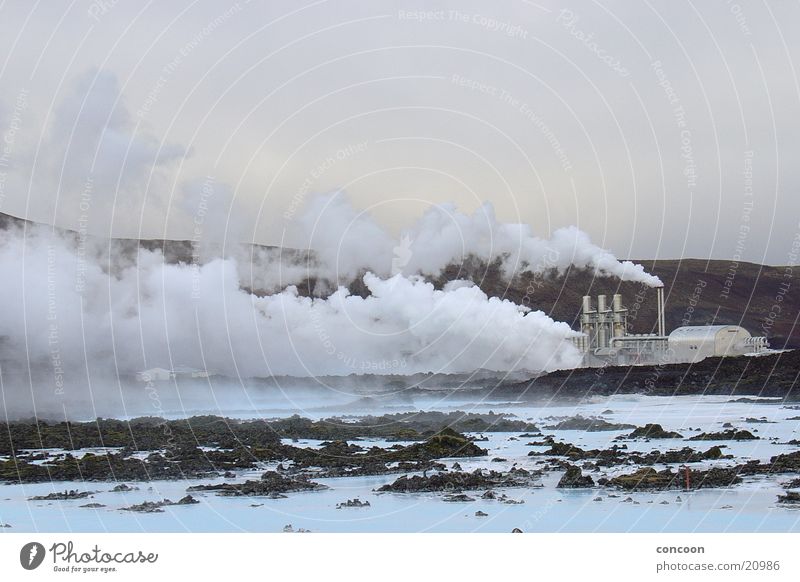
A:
x,y
604,339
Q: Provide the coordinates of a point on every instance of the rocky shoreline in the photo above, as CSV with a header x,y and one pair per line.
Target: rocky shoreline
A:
x,y
773,375
419,453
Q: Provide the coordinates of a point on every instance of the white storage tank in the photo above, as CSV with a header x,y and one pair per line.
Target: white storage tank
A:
x,y
694,343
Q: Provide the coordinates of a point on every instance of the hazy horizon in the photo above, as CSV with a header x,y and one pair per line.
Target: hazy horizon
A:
x,y
633,259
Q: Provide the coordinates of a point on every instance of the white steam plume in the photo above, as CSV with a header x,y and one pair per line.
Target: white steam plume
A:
x,y
348,242
70,306
61,310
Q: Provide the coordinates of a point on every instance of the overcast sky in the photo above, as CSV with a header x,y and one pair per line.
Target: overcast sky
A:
x,y
663,129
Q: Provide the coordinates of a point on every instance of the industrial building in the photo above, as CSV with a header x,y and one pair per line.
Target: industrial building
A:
x,y
604,338
163,375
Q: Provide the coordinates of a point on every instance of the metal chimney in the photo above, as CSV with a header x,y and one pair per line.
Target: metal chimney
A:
x,y
602,322
620,317
660,300
589,321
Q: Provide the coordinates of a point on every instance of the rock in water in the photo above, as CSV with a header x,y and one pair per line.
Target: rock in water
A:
x,y
63,496
123,488
458,498
590,424
353,503
147,507
271,484
648,479
574,479
155,506
791,497
653,431
460,481
726,435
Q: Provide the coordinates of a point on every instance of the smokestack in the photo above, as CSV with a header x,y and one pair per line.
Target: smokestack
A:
x,y
602,322
660,299
588,322
620,316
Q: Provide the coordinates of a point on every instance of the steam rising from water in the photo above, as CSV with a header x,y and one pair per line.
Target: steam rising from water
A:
x,y
66,310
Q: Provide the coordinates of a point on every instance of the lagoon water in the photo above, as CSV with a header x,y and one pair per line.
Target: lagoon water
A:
x,y
748,507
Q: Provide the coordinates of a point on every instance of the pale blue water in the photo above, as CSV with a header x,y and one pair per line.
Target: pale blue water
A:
x,y
749,507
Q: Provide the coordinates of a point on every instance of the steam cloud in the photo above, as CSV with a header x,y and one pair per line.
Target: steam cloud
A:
x,y
169,315
443,236
69,311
